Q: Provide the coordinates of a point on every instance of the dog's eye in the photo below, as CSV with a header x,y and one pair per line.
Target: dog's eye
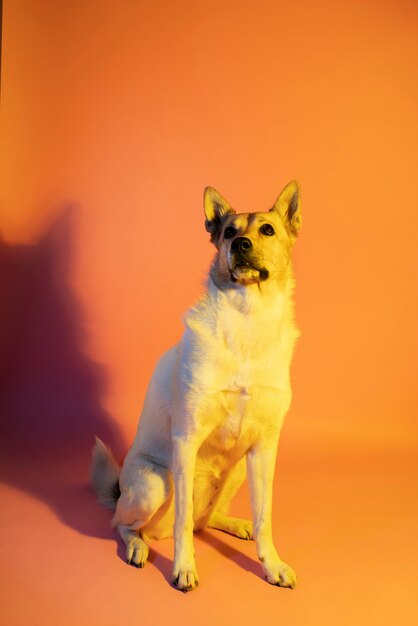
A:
x,y
267,229
229,232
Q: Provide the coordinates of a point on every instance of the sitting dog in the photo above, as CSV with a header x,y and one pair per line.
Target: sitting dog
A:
x,y
216,401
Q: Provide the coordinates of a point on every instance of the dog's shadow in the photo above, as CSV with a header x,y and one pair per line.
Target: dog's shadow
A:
x,y
229,552
50,389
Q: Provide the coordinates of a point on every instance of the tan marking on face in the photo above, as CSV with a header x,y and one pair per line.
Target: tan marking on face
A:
x,y
248,225
239,222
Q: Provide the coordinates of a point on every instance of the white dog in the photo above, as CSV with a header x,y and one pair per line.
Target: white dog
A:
x,y
216,401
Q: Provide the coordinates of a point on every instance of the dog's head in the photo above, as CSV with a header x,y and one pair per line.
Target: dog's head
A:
x,y
252,247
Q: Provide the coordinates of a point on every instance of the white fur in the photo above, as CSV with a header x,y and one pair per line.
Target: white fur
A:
x,y
213,410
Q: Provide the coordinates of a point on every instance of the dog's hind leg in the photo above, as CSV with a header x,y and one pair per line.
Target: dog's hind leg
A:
x,y
136,548
241,528
145,488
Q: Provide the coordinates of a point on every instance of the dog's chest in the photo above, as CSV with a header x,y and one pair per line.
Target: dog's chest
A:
x,y
240,414
233,410
236,375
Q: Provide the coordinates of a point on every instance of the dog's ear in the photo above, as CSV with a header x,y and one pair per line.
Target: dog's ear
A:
x,y
287,206
216,208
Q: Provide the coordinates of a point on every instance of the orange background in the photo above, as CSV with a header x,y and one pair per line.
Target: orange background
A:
x,y
114,118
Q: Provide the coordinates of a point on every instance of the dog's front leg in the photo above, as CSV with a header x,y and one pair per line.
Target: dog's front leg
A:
x,y
184,461
261,459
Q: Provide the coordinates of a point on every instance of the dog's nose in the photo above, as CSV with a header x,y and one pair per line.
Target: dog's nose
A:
x,y
241,244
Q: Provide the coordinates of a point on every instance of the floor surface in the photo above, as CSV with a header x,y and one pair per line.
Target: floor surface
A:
x,y
346,522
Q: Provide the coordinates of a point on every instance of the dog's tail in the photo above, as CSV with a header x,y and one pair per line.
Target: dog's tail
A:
x,y
104,475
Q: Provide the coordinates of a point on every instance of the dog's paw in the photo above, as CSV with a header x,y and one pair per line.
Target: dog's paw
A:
x,y
282,575
241,528
137,552
185,578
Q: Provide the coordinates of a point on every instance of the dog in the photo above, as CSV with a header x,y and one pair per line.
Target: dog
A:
x,y
216,402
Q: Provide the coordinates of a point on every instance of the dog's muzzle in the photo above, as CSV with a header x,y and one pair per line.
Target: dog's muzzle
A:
x,y
243,267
